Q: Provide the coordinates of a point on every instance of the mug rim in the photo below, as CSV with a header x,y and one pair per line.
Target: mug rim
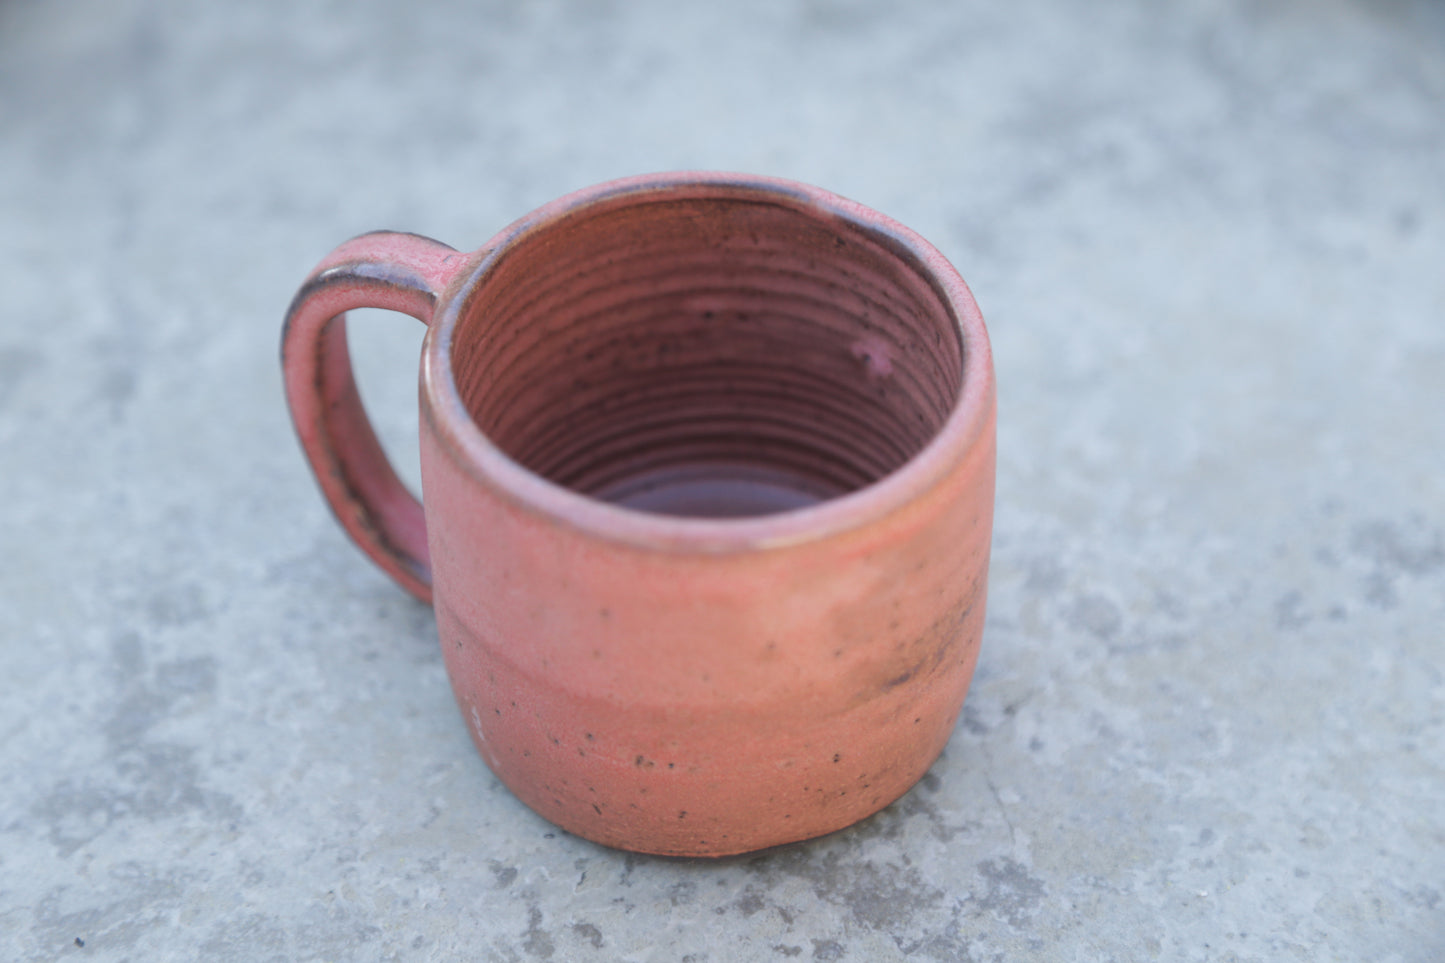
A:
x,y
968,419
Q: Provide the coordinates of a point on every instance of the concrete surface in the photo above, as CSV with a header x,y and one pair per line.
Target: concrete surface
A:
x,y
1209,720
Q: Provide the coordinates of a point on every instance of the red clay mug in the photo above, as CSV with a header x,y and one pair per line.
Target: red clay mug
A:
x,y
708,473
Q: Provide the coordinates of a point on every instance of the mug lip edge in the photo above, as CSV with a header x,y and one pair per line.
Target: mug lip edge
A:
x,y
969,419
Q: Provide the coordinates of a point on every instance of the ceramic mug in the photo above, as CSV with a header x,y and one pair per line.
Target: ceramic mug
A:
x,y
707,473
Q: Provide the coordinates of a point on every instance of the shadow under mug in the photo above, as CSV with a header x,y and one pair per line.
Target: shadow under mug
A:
x,y
708,472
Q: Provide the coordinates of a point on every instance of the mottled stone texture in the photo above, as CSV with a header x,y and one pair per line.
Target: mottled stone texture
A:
x,y
1209,718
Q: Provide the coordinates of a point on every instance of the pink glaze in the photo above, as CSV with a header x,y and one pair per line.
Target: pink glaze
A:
x,y
708,465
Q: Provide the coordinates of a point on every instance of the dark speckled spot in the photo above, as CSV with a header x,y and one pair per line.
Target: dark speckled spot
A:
x,y
877,896
1395,551
750,902
536,942
970,721
142,777
589,933
898,680
110,927
502,875
1415,549
1012,892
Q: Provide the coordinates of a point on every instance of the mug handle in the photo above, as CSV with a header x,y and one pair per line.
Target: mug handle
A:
x,y
395,272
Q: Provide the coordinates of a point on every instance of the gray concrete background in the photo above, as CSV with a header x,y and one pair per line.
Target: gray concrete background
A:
x,y
1208,237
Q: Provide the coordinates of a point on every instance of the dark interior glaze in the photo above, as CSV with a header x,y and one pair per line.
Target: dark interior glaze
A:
x,y
707,356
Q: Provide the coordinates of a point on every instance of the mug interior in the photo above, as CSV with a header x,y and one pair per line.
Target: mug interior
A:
x,y
708,353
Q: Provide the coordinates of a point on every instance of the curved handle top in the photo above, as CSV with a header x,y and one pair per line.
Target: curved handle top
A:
x,y
396,272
